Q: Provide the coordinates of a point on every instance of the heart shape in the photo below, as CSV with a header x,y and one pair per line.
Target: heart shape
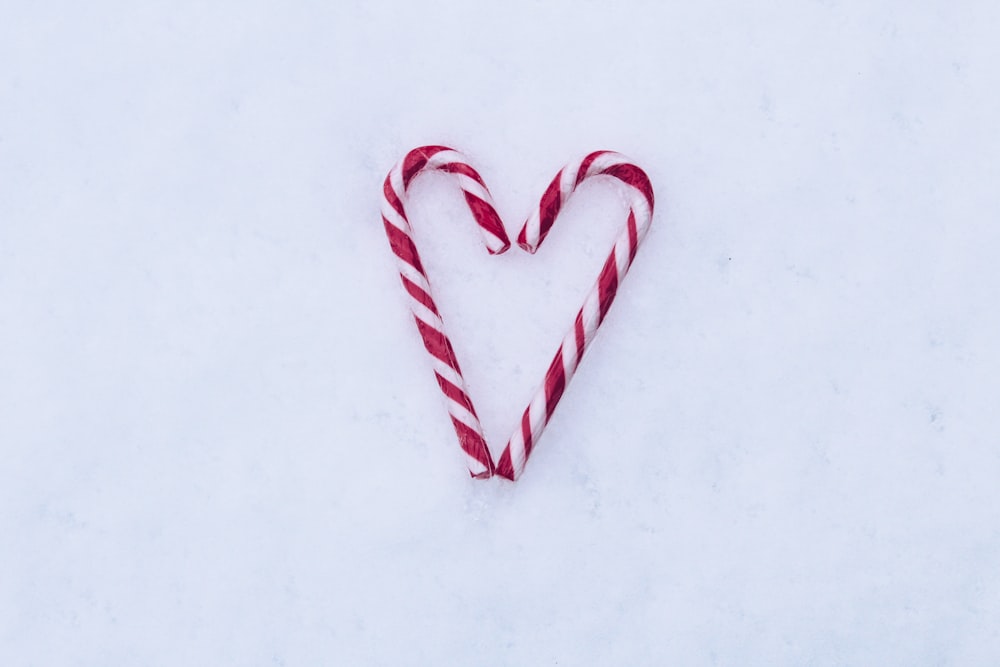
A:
x,y
639,196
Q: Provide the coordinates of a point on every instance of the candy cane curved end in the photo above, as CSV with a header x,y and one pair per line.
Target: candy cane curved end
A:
x,y
477,195
638,192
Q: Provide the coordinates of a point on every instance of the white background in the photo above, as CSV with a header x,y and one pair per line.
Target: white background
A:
x,y
220,437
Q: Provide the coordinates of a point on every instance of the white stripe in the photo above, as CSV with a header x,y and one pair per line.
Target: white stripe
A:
x,y
448,373
570,354
408,271
621,255
532,229
516,447
426,315
567,180
643,214
394,218
442,158
536,414
458,411
591,311
396,180
604,162
475,467
474,188
494,243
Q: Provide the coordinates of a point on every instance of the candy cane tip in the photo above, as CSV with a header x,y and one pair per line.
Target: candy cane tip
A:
x,y
499,251
527,247
504,468
486,474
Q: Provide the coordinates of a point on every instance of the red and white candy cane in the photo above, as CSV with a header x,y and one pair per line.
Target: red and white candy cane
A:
x,y
639,197
411,271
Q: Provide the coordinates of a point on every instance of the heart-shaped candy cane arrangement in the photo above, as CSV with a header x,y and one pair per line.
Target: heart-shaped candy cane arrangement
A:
x,y
639,196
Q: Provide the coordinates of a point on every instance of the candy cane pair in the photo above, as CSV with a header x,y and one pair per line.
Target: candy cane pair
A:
x,y
639,196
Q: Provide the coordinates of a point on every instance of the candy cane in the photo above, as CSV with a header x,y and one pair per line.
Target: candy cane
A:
x,y
639,197
411,272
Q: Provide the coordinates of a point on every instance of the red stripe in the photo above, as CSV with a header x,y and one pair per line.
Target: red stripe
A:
x,y
437,344
505,468
473,445
393,198
403,246
455,394
522,238
585,165
549,208
420,295
555,384
633,237
416,159
635,177
607,285
465,170
488,219
526,431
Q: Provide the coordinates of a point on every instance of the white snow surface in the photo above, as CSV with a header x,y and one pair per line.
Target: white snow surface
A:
x,y
221,442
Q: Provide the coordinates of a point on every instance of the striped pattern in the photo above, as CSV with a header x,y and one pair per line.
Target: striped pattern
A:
x,y
639,197
411,272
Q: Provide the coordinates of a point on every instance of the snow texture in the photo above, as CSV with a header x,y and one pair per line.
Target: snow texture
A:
x,y
220,439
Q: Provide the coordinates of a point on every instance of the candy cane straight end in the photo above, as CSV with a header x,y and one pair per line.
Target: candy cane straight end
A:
x,y
505,468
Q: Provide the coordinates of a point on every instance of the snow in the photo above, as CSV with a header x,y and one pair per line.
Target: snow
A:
x,y
220,439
